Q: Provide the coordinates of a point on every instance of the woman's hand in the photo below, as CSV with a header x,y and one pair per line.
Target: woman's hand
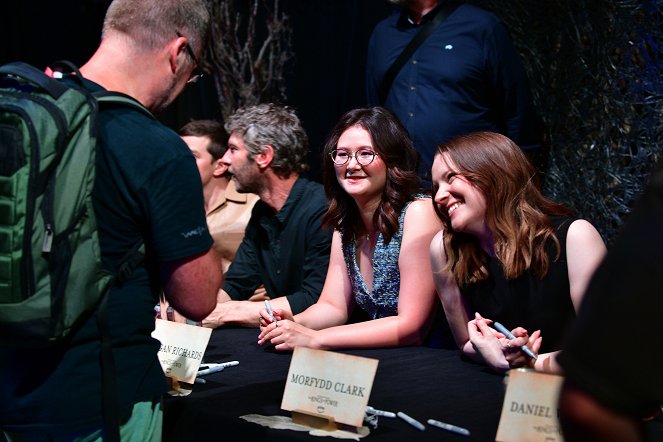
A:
x,y
286,335
498,351
486,342
513,354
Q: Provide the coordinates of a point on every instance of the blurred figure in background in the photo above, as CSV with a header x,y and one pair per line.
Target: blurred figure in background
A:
x,y
612,362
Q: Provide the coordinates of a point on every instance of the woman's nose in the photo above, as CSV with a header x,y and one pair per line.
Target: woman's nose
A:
x,y
442,194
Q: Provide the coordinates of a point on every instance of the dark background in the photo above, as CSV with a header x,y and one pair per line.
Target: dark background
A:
x,y
595,67
324,79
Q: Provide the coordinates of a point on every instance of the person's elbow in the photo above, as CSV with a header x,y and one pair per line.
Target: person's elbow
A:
x,y
191,285
411,335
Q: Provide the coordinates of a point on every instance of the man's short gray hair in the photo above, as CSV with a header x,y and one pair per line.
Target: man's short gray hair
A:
x,y
276,126
152,23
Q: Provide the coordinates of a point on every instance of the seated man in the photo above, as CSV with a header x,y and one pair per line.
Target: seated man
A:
x,y
227,211
285,247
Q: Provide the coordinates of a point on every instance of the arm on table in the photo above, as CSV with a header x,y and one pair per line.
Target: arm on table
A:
x,y
416,298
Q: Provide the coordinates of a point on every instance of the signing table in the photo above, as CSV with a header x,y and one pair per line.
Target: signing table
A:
x,y
420,381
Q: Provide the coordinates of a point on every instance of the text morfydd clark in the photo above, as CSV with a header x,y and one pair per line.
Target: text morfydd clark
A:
x,y
329,385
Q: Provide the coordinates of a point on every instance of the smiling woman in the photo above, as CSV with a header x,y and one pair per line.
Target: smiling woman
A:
x,y
507,253
369,168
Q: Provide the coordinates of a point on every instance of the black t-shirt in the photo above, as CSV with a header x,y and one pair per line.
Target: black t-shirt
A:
x,y
147,189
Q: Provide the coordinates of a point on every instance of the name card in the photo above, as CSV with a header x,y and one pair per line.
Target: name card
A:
x,y
329,385
182,348
529,412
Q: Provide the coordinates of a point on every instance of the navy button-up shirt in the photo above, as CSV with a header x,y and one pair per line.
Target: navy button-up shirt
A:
x,y
465,77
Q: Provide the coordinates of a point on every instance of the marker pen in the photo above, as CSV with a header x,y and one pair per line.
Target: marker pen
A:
x,y
528,351
415,423
377,412
214,368
268,306
449,427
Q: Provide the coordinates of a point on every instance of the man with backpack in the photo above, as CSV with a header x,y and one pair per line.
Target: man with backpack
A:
x,y
147,191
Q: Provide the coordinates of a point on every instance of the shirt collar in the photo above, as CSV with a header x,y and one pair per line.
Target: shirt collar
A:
x,y
231,194
405,22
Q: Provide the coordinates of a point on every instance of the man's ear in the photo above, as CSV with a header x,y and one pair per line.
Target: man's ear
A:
x,y
265,157
176,53
220,168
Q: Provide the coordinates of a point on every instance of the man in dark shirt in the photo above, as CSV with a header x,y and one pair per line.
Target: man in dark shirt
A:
x,y
146,189
465,77
284,247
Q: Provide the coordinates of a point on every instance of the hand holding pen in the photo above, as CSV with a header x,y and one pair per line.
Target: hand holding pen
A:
x,y
524,348
268,306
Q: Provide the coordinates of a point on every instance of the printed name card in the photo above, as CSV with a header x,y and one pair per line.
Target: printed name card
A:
x,y
529,412
182,348
329,385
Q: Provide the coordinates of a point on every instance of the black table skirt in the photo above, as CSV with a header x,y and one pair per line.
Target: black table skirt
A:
x,y
420,381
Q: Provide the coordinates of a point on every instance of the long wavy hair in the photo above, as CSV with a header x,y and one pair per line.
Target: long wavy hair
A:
x,y
517,213
392,142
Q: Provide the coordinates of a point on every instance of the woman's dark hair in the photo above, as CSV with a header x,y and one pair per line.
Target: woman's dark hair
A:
x,y
392,142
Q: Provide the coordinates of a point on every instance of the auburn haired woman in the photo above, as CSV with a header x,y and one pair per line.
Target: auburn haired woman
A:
x,y
506,253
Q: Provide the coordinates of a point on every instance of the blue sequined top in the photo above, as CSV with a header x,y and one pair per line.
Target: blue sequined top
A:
x,y
383,299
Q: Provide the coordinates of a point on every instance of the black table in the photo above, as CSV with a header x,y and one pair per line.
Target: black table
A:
x,y
420,381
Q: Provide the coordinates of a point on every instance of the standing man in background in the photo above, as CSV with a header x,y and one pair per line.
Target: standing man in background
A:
x,y
465,77
147,190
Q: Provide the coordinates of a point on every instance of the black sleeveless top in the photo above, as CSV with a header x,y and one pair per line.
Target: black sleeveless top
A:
x,y
529,301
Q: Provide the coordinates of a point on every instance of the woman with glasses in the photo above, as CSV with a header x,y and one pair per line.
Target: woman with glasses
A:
x,y
382,231
506,254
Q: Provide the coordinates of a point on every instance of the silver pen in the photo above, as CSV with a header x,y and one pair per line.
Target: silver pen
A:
x,y
449,427
377,412
268,306
415,423
528,351
214,368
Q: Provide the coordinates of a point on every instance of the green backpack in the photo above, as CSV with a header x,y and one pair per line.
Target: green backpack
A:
x,y
51,276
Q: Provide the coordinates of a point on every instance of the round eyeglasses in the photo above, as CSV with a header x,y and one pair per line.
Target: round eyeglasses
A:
x,y
343,156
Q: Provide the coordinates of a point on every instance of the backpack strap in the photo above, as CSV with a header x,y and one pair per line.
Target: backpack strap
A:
x,y
19,69
129,263
445,10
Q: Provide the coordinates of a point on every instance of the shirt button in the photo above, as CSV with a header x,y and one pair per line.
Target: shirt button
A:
x,y
278,271
413,88
414,61
411,114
